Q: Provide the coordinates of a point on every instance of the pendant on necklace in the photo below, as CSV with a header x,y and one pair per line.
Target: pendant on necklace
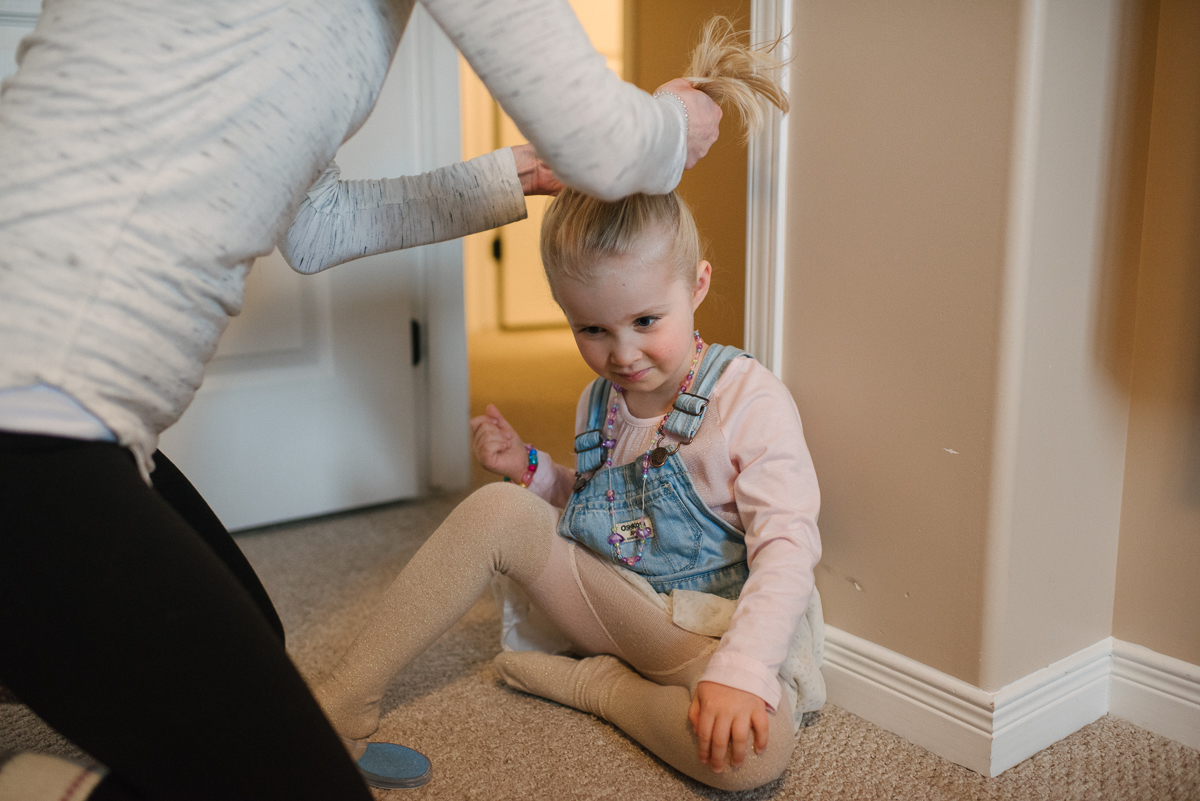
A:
x,y
658,456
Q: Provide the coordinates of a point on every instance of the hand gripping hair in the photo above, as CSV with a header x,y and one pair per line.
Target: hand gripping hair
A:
x,y
580,233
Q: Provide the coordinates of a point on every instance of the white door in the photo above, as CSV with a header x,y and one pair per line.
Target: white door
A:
x,y
313,403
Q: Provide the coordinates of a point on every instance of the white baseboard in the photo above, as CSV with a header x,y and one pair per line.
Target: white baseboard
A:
x,y
986,732
1039,710
1156,692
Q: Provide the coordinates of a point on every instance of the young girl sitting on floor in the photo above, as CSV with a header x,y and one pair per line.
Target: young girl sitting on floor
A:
x,y
677,557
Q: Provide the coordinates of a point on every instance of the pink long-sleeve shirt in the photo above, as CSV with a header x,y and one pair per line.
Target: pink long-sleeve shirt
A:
x,y
751,466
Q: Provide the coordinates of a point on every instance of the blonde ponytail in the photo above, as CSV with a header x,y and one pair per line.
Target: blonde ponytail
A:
x,y
737,75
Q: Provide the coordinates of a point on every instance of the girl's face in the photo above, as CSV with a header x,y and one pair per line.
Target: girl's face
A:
x,y
633,326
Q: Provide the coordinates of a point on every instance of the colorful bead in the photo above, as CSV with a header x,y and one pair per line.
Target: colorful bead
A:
x,y
643,532
531,460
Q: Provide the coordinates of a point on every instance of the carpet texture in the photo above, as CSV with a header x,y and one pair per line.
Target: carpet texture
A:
x,y
489,742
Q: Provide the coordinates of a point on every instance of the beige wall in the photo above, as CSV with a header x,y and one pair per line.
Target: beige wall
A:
x,y
1158,587
663,33
899,164
959,315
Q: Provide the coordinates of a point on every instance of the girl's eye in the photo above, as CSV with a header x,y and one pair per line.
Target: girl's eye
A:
x,y
645,322
591,330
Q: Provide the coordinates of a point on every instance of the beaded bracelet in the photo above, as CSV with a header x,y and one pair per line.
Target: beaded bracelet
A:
x,y
531,455
682,106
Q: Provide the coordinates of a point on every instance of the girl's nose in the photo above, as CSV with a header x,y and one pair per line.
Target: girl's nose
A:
x,y
624,354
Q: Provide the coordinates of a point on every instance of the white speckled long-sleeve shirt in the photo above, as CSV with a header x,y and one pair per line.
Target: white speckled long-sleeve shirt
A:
x,y
150,150
343,220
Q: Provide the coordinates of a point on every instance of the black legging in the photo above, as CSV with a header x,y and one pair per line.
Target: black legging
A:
x,y
132,623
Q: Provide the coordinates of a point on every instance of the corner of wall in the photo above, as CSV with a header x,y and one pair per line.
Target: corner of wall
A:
x,y
1054,507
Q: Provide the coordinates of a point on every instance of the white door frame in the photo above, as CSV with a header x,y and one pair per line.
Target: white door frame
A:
x,y
448,448
766,204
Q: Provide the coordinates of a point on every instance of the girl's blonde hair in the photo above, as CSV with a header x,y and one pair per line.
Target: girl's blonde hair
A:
x,y
737,75
581,233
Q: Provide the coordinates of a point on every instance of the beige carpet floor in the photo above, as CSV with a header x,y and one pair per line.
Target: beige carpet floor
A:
x,y
489,742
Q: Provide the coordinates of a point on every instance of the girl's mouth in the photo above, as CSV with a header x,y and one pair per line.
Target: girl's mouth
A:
x,y
633,377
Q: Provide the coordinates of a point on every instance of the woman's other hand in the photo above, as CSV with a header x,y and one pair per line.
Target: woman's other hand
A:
x,y
704,118
536,176
497,446
723,718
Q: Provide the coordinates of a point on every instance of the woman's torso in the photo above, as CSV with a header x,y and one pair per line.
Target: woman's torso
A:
x,y
151,151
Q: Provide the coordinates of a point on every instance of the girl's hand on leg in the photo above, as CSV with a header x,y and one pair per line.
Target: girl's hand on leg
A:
x,y
723,718
497,446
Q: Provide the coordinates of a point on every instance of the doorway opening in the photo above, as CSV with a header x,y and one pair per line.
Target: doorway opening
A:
x,y
521,354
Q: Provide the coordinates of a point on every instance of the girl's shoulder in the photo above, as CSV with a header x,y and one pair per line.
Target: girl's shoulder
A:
x,y
748,396
746,377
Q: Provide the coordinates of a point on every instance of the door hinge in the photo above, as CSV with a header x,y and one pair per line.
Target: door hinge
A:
x,y
497,248
416,343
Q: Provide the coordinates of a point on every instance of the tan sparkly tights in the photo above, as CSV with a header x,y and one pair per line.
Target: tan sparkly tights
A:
x,y
505,529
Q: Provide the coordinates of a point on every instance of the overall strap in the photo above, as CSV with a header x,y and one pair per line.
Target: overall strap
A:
x,y
589,450
684,421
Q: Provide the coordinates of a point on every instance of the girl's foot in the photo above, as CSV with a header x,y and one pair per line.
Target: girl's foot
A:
x,y
356,748
346,710
585,684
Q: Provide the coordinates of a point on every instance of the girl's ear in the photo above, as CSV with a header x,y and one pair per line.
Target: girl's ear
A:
x,y
703,281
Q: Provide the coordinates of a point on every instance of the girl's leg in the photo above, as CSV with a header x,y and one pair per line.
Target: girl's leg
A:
x,y
498,529
126,633
504,529
650,704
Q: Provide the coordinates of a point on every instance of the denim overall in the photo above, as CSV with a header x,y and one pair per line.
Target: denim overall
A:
x,y
689,547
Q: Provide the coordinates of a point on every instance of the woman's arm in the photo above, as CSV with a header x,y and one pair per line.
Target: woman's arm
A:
x,y
600,135
343,220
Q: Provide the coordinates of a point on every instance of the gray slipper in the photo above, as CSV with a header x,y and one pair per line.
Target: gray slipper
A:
x,y
394,767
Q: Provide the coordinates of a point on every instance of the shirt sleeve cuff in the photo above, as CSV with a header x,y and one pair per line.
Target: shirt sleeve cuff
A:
x,y
542,483
510,197
675,171
743,673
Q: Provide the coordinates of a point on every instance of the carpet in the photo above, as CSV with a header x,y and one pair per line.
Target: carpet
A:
x,y
489,742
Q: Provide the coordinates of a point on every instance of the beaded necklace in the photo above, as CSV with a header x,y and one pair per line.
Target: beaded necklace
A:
x,y
640,530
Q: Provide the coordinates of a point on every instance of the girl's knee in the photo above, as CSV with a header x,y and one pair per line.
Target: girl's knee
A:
x,y
494,494
760,769
504,509
509,522
501,499
756,771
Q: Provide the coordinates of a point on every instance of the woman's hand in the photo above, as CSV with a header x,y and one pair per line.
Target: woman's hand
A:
x,y
497,446
536,176
704,118
722,718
